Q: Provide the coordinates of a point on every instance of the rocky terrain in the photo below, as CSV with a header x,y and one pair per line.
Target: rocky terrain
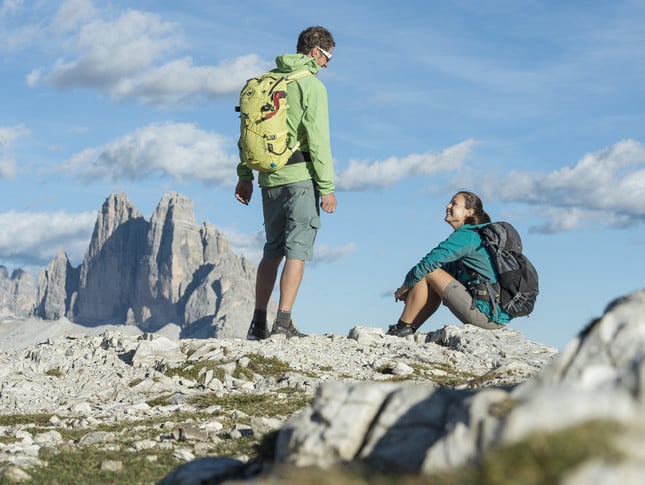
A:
x,y
165,401
143,273
456,405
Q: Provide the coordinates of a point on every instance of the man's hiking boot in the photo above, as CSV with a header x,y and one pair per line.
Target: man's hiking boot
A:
x,y
401,330
288,331
257,331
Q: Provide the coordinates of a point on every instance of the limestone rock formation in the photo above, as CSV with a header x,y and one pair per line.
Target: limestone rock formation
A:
x,y
159,396
17,293
438,402
151,273
107,275
57,286
427,428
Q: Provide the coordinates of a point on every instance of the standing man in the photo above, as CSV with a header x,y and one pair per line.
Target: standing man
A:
x,y
291,195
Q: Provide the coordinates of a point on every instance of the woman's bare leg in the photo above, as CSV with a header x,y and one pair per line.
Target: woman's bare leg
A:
x,y
424,298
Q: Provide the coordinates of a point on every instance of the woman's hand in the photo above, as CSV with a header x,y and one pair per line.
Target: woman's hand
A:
x,y
401,294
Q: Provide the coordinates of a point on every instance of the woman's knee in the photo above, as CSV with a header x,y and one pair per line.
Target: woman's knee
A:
x,y
438,280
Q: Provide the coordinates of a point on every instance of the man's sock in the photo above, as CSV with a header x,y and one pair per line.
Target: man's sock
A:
x,y
260,316
283,318
400,323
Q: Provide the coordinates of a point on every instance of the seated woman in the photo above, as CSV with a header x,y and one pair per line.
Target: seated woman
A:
x,y
452,273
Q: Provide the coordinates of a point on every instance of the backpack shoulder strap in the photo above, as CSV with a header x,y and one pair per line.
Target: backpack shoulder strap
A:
x,y
298,75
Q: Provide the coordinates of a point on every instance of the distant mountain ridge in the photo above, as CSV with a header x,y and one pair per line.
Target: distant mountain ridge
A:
x,y
17,293
148,274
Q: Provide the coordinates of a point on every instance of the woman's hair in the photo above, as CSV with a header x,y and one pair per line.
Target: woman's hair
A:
x,y
314,37
472,201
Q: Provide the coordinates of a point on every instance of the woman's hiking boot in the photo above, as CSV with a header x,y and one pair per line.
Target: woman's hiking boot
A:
x,y
257,331
401,330
288,330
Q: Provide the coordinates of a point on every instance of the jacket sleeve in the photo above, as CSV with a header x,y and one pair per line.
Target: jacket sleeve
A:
x,y
243,172
456,246
316,124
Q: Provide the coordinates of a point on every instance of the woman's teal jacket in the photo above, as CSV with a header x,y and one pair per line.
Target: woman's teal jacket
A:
x,y
463,246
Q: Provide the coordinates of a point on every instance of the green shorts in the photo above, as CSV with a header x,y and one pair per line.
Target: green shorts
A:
x,y
291,220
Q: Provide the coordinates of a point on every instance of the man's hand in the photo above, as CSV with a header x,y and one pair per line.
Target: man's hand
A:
x,y
328,203
243,191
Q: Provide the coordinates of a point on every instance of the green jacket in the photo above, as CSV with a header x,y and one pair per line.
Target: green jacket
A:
x,y
463,245
307,120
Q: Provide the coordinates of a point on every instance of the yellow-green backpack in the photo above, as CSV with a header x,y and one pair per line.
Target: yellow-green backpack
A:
x,y
263,121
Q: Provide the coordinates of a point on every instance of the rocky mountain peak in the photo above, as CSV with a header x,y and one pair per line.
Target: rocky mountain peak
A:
x,y
116,210
148,273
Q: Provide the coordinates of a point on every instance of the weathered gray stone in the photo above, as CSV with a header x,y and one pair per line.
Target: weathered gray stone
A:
x,y
148,274
15,474
57,286
106,280
17,293
203,470
412,429
160,350
361,412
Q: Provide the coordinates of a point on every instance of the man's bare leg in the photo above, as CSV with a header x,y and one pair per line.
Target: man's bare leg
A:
x,y
265,281
290,281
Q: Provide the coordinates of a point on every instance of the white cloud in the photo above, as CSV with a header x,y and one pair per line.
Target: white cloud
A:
x,y
180,82
178,150
248,245
34,238
9,134
7,137
130,57
11,41
113,50
71,13
607,186
10,7
7,168
329,254
362,175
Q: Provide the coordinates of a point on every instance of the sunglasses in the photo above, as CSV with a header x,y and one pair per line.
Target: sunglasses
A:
x,y
327,55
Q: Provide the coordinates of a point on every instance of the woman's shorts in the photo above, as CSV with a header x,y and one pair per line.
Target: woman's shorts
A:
x,y
460,302
291,220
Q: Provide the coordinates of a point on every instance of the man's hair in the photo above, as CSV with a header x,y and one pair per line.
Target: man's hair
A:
x,y
314,37
472,201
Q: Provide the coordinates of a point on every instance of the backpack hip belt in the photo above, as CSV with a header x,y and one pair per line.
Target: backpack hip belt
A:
x,y
485,291
299,157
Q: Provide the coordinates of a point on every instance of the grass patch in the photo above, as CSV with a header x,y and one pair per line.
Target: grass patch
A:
x,y
265,405
54,372
134,382
84,467
192,371
267,366
544,457
257,364
541,459
453,377
19,419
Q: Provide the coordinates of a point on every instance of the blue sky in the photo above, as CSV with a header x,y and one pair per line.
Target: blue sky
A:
x,y
538,106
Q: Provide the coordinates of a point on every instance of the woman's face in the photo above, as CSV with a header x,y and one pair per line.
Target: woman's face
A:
x,y
456,211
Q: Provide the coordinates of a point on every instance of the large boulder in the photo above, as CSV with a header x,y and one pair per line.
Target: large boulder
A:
x,y
426,428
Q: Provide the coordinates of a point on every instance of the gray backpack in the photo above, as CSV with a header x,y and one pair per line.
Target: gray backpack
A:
x,y
517,277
